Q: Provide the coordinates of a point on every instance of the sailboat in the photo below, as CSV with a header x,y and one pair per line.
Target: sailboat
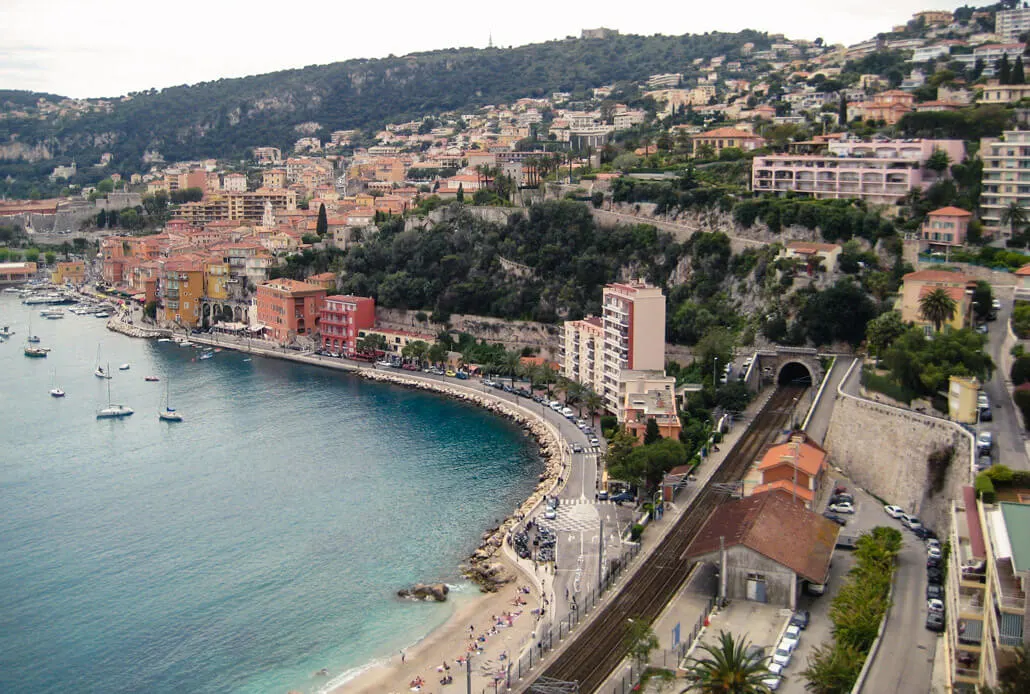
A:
x,y
168,414
54,390
99,371
112,410
34,352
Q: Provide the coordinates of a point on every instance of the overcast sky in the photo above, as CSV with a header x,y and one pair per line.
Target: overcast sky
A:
x,y
100,48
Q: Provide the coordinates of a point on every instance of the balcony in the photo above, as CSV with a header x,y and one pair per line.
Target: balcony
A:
x,y
1009,592
970,604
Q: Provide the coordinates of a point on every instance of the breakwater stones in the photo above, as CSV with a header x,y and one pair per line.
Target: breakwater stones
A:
x,y
436,592
479,568
124,328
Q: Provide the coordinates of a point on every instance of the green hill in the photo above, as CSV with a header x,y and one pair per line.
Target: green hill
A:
x,y
227,117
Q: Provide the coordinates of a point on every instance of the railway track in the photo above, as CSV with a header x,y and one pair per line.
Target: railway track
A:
x,y
596,650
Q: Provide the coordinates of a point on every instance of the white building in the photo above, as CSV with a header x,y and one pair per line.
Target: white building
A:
x,y
1006,175
634,333
1009,24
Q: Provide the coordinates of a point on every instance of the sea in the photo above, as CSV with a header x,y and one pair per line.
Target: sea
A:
x,y
242,550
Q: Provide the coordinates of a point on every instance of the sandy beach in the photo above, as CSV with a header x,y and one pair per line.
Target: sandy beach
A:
x,y
496,643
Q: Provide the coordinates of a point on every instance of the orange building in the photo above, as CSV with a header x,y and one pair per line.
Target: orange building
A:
x,y
72,272
288,308
181,289
343,317
796,467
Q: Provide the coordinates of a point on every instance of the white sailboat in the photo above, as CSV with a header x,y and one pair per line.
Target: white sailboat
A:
x,y
168,414
113,410
54,390
99,371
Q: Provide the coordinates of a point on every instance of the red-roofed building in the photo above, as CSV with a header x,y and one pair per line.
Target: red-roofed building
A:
x,y
797,467
916,285
180,290
946,226
397,340
773,545
722,138
342,318
813,253
288,308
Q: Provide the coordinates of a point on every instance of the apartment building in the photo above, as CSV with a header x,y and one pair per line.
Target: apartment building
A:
x,y
248,206
995,93
181,289
582,352
288,308
878,172
342,317
987,579
1009,24
723,138
634,334
1006,176
647,395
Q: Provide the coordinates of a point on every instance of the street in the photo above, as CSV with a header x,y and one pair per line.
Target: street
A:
x,y
1009,446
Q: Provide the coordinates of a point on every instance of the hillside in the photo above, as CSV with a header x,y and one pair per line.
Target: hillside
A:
x,y
226,117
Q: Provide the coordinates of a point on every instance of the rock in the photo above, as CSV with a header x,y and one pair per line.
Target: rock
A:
x,y
420,591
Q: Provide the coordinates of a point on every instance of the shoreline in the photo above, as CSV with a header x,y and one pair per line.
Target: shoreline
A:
x,y
489,568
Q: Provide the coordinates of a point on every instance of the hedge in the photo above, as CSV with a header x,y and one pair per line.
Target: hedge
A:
x,y
985,488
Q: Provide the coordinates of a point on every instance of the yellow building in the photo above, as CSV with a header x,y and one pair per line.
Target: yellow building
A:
x,y
72,272
181,289
916,285
216,279
962,399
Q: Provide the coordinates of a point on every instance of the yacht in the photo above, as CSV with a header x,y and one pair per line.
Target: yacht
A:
x,y
99,372
6,332
55,392
52,313
35,352
123,367
168,414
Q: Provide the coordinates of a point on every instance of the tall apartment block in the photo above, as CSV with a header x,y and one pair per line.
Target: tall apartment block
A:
x,y
1006,175
630,334
987,580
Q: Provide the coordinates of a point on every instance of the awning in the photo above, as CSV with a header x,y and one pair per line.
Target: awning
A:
x,y
139,297
257,327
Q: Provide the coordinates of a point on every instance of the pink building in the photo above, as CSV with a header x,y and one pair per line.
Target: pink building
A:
x,y
946,226
341,319
878,172
288,308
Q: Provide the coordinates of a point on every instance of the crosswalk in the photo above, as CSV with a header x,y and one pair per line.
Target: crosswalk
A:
x,y
573,516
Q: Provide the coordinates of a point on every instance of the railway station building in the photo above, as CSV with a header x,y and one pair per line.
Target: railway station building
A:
x,y
767,546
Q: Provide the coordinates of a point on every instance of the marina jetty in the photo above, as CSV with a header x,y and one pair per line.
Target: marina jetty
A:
x,y
483,567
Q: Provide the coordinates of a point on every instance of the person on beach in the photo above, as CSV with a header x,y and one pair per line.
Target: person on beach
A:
x,y
402,656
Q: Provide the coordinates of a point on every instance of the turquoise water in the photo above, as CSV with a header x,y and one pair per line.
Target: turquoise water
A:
x,y
244,549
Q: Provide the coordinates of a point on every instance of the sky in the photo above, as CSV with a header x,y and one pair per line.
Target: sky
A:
x,y
104,48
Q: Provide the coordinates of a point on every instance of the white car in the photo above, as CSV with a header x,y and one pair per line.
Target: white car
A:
x,y
842,507
894,511
985,440
775,678
933,553
793,634
550,514
933,543
935,605
782,654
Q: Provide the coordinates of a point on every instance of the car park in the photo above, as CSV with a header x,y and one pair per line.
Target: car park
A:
x,y
800,619
839,520
842,507
935,621
782,654
894,511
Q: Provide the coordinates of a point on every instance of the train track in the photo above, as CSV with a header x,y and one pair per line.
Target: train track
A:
x,y
598,649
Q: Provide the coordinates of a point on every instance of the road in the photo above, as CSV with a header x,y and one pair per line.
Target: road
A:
x,y
1009,447
819,422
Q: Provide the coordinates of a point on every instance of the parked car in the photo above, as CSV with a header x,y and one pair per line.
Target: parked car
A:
x,y
985,414
577,448
792,635
451,373
933,562
838,498
462,376
983,462
985,441
894,511
935,621
934,574
772,682
842,507
933,542
934,591
594,441
839,520
912,523
623,496
933,553
800,619
602,495
935,605
783,653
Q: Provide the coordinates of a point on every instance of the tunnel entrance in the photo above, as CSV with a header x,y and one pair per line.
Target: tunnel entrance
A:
x,y
795,373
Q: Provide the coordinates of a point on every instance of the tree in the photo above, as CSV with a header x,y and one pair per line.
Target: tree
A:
x,y
591,400
1014,677
640,641
842,111
322,225
101,219
416,350
937,162
460,197
651,433
371,343
1003,69
51,257
938,308
833,670
150,310
1018,77
1014,217
727,669
32,254
983,300
882,331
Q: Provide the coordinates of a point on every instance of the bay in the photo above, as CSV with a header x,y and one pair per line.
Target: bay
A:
x,y
244,549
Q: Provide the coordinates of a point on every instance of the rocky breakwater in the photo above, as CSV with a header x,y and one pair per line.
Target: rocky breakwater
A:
x,y
436,592
119,326
483,567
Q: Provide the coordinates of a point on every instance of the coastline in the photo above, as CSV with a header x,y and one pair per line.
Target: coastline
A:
x,y
500,579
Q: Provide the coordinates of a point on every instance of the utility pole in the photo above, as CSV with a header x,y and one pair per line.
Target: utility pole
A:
x,y
600,558
468,674
722,569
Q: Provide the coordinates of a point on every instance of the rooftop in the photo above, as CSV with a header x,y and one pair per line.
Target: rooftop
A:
x,y
1017,524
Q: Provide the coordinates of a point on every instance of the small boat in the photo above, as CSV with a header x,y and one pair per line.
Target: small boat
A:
x,y
52,313
6,332
99,372
206,355
113,411
102,314
35,352
123,367
33,338
151,379
55,392
164,339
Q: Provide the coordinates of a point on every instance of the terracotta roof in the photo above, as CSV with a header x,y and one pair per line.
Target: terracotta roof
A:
x,y
810,457
730,132
775,526
951,212
786,486
1024,271
937,276
347,297
958,294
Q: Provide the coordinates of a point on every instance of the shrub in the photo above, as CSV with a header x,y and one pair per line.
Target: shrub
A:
x,y
635,532
984,488
1000,475
1022,398
609,422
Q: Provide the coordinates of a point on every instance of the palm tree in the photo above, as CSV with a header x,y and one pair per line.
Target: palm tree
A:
x,y
574,395
1014,217
938,308
511,364
593,402
727,669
